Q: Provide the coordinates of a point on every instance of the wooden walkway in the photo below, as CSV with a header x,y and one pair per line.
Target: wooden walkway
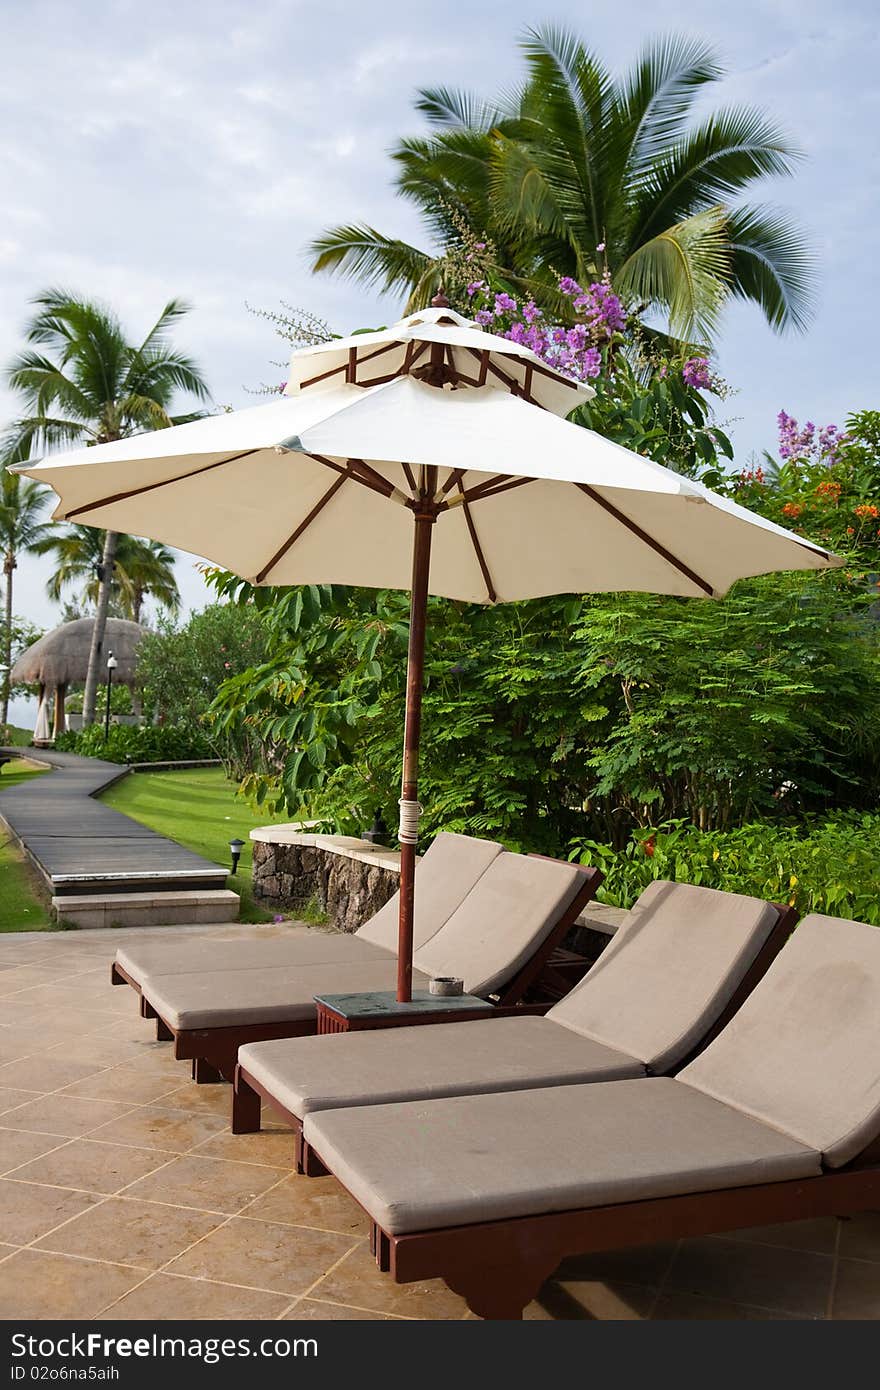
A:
x,y
80,845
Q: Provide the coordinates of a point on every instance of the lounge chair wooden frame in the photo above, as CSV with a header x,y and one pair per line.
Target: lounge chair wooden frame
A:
x,y
248,1093
214,1051
498,1267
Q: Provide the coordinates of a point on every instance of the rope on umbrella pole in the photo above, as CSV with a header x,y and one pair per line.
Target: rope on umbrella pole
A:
x,y
410,811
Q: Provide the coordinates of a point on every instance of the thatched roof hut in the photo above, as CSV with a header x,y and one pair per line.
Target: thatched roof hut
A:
x,y
61,658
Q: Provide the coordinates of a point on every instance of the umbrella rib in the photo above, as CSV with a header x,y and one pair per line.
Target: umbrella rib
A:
x,y
304,524
478,549
494,486
151,487
648,540
374,481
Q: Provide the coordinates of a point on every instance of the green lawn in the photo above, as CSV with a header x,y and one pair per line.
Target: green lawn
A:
x,y
18,738
200,809
21,908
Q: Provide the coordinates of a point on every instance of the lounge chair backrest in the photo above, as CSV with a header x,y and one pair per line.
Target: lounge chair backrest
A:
x,y
445,875
669,971
501,923
803,1053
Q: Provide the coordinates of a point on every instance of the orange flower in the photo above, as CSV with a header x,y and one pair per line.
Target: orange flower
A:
x,y
867,509
792,509
829,491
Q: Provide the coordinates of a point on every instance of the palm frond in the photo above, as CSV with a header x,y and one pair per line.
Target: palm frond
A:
x,y
446,106
657,96
686,270
773,265
174,311
361,253
711,164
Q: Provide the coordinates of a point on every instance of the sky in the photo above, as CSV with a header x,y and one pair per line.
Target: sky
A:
x,y
151,151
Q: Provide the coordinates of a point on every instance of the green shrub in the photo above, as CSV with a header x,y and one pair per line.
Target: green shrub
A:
x,y
129,744
818,865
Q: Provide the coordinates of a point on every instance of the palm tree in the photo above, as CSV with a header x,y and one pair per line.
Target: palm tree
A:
x,y
22,530
578,173
84,383
143,569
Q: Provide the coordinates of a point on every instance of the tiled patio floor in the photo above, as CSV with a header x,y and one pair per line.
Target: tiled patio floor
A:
x,y
123,1193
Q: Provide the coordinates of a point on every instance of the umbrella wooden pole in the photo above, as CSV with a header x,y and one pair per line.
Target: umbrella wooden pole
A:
x,y
409,789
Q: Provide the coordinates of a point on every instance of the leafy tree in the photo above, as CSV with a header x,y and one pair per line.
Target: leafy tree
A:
x,y
82,382
22,529
578,172
142,569
181,667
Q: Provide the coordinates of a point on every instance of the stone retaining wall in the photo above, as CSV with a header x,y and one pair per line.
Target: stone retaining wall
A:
x,y
350,879
349,887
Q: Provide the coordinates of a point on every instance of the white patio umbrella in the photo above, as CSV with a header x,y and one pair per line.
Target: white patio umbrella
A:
x,y
429,456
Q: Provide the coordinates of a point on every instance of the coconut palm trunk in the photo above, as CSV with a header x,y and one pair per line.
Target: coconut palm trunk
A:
x,y
96,653
8,567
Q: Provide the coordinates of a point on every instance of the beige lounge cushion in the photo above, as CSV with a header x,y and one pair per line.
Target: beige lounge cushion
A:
x,y
420,1063
668,972
444,877
803,1053
297,946
230,998
485,1158
502,922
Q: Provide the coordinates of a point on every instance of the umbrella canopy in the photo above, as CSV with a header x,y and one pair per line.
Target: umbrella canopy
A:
x,y
428,456
61,657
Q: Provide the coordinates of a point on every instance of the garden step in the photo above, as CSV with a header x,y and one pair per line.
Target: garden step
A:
x,y
156,909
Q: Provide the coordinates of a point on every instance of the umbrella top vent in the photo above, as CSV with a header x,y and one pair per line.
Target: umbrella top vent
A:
x,y
440,348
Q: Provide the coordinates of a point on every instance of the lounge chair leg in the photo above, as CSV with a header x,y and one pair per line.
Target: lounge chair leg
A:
x,y
308,1164
245,1107
163,1032
203,1074
500,1292
146,1008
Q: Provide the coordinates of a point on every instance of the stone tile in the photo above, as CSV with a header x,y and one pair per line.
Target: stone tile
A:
x,y
10,1100
101,1054
212,1184
687,1307
857,1292
357,1282
28,1210
860,1236
201,1100
36,1284
20,1146
153,1127
764,1276
273,1150
311,1310
594,1300
130,1087
65,1115
154,1061
262,1255
317,1202
92,1167
165,1297
132,1232
819,1236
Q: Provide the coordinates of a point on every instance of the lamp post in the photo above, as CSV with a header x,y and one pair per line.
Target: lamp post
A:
x,y
112,663
235,848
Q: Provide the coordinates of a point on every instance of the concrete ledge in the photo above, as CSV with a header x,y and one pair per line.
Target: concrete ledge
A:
x,y
146,909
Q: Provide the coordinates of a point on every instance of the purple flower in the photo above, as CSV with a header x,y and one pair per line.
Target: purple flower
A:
x,y
601,246
569,286
484,317
475,287
531,313
696,374
504,304
277,917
